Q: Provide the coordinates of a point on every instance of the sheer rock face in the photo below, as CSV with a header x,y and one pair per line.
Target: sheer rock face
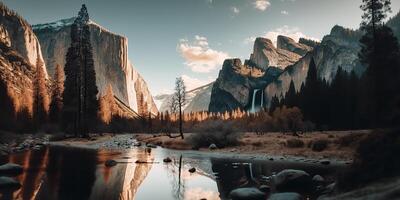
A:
x,y
16,33
198,99
233,86
110,54
289,44
265,55
339,48
15,71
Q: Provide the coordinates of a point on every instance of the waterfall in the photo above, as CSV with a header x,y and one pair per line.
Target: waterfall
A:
x,y
262,99
253,102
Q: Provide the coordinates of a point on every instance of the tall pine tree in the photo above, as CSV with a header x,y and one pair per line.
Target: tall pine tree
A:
x,y
380,53
57,98
40,95
80,94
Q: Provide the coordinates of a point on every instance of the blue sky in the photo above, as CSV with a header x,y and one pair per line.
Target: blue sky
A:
x,y
191,38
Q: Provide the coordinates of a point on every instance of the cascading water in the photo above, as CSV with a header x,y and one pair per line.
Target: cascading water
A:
x,y
254,106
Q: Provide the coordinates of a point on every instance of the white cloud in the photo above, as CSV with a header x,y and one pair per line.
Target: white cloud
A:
x,y
292,32
193,83
261,4
235,10
284,12
199,57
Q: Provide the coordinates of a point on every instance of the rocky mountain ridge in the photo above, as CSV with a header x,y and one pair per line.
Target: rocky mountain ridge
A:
x,y
110,54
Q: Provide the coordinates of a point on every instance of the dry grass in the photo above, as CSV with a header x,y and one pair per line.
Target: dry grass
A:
x,y
276,144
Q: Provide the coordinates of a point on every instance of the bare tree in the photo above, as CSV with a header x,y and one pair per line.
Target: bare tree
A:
x,y
179,101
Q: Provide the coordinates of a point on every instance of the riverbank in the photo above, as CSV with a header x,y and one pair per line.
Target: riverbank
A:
x,y
338,145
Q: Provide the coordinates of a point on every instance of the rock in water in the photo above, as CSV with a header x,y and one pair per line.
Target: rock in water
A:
x,y
11,169
192,170
293,180
285,196
212,147
110,163
318,179
247,194
7,183
167,160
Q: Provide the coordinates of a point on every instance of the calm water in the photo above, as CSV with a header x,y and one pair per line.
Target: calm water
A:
x,y
78,174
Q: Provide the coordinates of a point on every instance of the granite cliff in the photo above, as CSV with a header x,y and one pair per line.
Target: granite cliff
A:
x,y
110,54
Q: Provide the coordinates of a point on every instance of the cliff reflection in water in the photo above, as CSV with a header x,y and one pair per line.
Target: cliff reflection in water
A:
x,y
64,173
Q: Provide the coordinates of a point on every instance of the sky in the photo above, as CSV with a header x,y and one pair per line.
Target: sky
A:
x,y
191,38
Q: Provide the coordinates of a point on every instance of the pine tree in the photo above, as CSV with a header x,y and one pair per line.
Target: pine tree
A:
x,y
57,96
7,114
290,97
40,95
380,53
80,95
274,104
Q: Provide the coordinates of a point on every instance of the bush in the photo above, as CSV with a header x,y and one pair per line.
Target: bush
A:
x,y
220,133
294,143
319,145
376,158
350,139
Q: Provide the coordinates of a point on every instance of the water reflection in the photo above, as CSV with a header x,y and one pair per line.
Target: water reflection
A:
x,y
71,173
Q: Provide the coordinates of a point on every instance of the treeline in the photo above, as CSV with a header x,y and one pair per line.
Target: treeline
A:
x,y
283,119
349,101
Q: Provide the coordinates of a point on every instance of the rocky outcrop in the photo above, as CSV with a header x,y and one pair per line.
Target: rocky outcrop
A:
x,y
198,99
289,44
339,48
15,71
16,33
266,55
234,84
110,54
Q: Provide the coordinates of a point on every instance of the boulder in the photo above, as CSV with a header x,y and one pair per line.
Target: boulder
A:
x,y
212,147
318,179
7,183
285,196
110,163
11,169
247,194
293,180
192,170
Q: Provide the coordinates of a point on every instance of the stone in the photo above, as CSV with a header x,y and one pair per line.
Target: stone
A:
x,y
167,160
318,179
7,183
192,170
290,179
285,196
212,147
11,169
247,194
110,163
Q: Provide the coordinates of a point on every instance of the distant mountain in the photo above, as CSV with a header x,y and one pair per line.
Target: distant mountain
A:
x,y
110,54
198,99
237,83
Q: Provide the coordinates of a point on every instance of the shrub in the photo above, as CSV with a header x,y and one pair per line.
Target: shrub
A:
x,y
350,139
220,133
294,143
319,145
376,158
